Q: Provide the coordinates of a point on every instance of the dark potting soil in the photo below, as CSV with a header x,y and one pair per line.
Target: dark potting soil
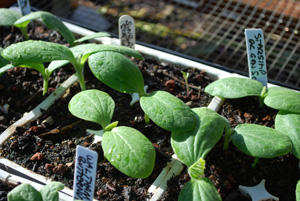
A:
x,y
57,133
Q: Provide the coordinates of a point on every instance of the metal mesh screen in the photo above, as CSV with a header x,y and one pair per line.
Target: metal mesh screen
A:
x,y
210,30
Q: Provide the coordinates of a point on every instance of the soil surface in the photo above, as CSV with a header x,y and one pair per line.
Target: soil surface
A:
x,y
47,145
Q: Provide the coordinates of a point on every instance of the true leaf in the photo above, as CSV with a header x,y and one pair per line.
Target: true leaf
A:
x,y
201,189
129,151
168,112
197,169
192,145
283,99
92,36
24,192
288,123
114,48
234,87
50,191
8,17
117,71
261,141
37,52
93,105
51,22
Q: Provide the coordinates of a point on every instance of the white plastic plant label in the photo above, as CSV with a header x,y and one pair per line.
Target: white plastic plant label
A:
x,y
127,31
85,173
24,5
256,55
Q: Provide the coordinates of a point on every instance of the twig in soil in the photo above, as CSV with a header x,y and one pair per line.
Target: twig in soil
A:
x,y
32,97
61,130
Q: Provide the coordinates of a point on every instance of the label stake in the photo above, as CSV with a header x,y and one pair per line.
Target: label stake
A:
x,y
85,173
256,55
127,31
24,6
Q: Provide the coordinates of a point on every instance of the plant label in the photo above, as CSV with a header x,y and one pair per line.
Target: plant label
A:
x,y
85,173
127,31
256,55
24,5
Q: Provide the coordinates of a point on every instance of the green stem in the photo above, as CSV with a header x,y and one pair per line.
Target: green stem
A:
x,y
228,134
24,32
147,119
80,74
262,96
45,84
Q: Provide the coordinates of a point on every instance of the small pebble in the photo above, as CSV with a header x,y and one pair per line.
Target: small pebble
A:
x,y
37,157
60,169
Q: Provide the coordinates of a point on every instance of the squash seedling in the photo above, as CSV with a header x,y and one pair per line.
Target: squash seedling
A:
x,y
26,192
186,77
192,147
164,109
125,148
33,54
275,97
50,20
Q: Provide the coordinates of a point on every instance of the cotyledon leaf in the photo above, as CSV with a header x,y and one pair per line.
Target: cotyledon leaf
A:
x,y
51,22
168,112
194,144
234,87
24,192
117,71
77,51
201,189
92,36
93,105
8,17
114,48
283,99
129,151
50,191
289,124
261,141
37,52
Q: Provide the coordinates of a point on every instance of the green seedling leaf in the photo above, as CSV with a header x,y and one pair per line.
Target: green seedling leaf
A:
x,y
288,123
3,61
50,20
201,189
192,145
93,105
283,99
117,71
37,52
50,191
234,87
113,48
197,169
129,151
168,112
8,17
77,51
298,191
92,36
261,141
24,192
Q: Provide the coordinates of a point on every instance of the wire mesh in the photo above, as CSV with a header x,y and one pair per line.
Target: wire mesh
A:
x,y
210,30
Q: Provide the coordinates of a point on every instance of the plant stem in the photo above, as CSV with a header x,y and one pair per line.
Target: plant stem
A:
x,y
228,134
147,119
80,74
24,32
45,83
262,96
